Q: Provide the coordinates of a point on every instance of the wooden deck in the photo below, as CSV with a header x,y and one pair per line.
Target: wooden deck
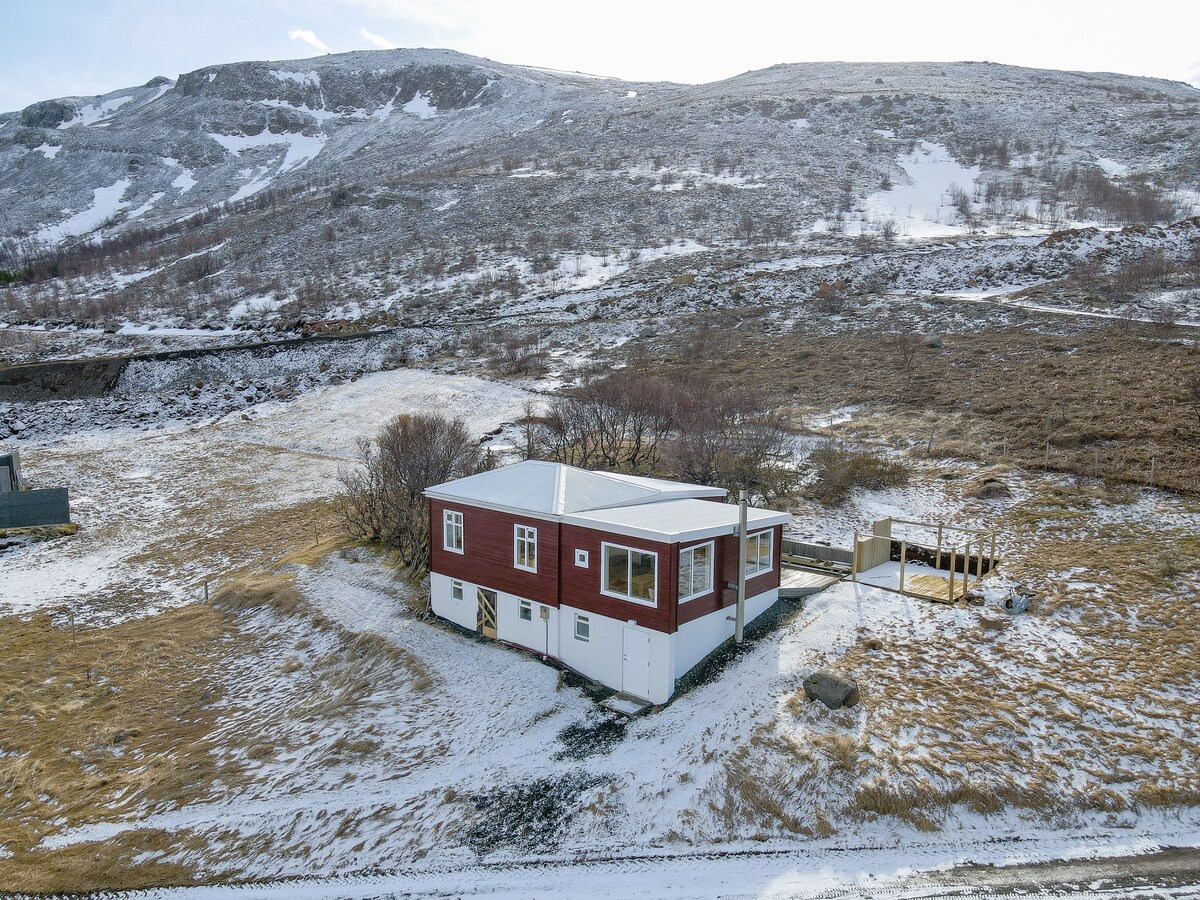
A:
x,y
794,583
935,587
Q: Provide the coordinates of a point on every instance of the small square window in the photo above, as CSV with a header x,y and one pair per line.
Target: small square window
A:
x,y
581,558
526,611
456,590
583,629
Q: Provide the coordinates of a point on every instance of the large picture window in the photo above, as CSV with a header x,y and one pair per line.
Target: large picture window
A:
x,y
630,574
695,571
452,531
525,548
758,552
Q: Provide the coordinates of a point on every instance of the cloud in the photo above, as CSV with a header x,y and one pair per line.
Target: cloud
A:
x,y
438,14
378,40
308,37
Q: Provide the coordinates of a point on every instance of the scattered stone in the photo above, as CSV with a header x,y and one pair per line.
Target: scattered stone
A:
x,y
993,623
833,689
993,489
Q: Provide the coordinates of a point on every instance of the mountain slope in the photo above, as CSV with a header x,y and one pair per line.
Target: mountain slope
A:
x,y
375,180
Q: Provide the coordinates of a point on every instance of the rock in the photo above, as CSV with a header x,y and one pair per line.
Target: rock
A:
x,y
993,489
993,623
934,341
833,689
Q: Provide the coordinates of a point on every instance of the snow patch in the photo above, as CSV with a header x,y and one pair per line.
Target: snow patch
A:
x,y
1111,167
921,208
95,112
106,202
301,148
147,206
420,107
48,151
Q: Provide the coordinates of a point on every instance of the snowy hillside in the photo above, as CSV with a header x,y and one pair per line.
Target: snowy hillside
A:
x,y
379,183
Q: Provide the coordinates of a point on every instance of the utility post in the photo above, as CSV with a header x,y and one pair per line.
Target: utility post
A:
x,y
740,615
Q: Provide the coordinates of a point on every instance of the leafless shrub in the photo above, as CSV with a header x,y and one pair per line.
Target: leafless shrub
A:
x,y
682,426
1163,317
519,355
197,268
382,498
907,346
839,469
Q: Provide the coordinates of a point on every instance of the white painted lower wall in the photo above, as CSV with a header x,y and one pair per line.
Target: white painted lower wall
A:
x,y
538,634
602,656
696,639
461,612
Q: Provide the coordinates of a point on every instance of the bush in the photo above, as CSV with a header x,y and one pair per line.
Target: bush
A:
x,y
839,469
382,500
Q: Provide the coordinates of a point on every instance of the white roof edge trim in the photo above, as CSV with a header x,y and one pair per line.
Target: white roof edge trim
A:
x,y
495,507
676,537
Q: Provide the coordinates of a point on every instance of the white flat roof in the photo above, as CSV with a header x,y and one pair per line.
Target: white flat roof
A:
x,y
670,521
554,489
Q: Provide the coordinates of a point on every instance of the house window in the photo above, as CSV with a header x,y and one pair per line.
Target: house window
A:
x,y
456,591
758,552
525,548
630,574
695,571
583,628
581,558
452,531
525,611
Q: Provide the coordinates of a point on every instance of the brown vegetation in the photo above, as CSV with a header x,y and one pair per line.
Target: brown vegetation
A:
x,y
1100,402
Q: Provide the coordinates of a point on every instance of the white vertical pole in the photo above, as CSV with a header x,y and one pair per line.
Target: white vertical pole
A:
x,y
740,616
903,553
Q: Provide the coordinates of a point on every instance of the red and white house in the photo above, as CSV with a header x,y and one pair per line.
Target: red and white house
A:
x,y
629,581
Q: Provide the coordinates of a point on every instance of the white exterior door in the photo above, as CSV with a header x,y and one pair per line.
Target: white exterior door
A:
x,y
635,668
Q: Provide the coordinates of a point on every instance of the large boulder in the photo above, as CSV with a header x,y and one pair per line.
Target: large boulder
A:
x,y
992,489
833,689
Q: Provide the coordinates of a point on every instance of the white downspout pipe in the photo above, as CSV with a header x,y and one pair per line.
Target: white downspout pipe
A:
x,y
740,616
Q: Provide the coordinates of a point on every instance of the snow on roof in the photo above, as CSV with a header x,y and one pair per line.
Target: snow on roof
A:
x,y
676,519
549,488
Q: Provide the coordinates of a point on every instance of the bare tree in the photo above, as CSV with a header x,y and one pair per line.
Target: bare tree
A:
x,y
906,347
383,498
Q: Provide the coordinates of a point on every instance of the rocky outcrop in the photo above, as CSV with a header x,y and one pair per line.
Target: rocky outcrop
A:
x,y
49,113
834,689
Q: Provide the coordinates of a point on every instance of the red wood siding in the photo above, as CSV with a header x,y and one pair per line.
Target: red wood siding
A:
x,y
487,557
725,566
581,587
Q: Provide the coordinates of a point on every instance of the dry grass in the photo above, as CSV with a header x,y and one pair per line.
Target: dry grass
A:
x,y
1075,392
121,722
99,724
1085,706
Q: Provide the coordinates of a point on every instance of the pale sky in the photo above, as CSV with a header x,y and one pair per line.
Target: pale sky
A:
x,y
54,48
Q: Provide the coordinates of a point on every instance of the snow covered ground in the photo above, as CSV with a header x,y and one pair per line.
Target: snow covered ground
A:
x,y
464,767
